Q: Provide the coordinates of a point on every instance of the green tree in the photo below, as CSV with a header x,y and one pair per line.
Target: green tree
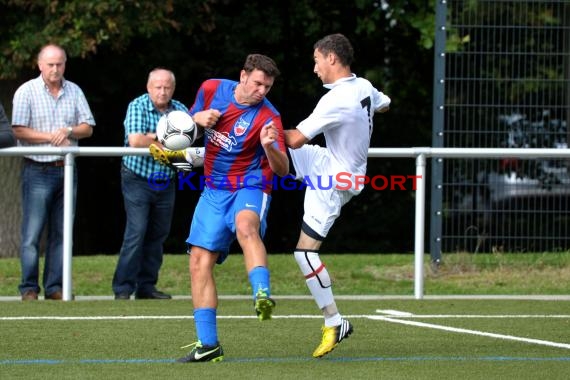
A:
x,y
112,45
84,26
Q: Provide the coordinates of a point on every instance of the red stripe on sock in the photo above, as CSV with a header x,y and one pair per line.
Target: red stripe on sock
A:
x,y
316,272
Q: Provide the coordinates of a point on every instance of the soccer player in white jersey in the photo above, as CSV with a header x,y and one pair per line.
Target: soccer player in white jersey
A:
x,y
344,116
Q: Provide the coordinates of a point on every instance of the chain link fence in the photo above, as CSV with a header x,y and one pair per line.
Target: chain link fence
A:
x,y
503,82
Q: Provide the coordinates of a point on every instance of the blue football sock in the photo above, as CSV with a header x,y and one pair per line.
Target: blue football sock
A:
x,y
206,328
259,279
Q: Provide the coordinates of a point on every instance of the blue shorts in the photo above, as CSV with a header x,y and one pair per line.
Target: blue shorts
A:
x,y
213,225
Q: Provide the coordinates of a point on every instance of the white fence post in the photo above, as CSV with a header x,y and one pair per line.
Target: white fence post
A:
x,y
68,215
419,226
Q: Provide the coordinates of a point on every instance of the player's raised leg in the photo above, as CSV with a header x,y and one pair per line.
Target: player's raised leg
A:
x,y
319,283
262,302
183,160
251,223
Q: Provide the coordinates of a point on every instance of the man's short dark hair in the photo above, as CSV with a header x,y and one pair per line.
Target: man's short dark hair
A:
x,y
337,44
261,62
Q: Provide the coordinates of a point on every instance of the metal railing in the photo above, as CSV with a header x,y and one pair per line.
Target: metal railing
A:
x,y
420,154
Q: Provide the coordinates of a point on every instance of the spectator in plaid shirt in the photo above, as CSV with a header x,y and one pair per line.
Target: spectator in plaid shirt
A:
x,y
148,208
48,111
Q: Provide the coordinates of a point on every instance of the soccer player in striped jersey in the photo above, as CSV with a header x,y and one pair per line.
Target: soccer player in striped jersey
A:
x,y
344,116
244,147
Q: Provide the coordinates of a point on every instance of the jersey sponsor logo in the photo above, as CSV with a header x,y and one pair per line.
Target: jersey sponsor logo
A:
x,y
222,140
249,205
240,127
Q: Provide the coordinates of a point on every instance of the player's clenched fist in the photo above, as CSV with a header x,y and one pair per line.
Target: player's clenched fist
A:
x,y
207,118
268,134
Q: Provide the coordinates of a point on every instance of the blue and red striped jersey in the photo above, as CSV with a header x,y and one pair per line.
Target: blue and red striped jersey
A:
x,y
234,156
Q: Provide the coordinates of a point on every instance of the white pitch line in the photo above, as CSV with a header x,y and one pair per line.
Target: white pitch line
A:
x,y
405,314
98,318
395,313
472,332
391,313
154,317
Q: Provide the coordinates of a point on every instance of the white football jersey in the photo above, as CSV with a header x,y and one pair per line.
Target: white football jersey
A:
x,y
344,116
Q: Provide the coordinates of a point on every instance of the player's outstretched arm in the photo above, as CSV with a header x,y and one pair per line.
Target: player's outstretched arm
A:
x,y
384,103
295,139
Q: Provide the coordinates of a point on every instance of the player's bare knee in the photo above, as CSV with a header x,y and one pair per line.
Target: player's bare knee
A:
x,y
247,225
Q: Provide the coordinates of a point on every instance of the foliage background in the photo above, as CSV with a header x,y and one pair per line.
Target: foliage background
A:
x,y
112,45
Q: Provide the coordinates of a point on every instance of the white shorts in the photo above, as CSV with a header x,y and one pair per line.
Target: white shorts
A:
x,y
322,203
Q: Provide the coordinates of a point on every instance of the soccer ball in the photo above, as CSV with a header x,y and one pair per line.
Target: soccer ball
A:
x,y
176,130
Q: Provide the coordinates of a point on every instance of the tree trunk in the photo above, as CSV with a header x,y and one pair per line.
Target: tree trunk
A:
x,y
11,206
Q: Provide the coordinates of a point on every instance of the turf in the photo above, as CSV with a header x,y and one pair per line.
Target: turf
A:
x,y
141,339
475,338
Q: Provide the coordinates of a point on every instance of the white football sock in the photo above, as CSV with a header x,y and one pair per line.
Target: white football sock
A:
x,y
195,156
333,320
317,277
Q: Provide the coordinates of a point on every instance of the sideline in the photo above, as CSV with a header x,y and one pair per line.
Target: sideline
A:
x,y
388,318
530,297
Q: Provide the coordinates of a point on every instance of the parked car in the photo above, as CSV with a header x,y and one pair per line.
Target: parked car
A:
x,y
496,205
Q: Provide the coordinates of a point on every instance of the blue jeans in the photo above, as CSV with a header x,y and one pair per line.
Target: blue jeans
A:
x,y
42,203
149,214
